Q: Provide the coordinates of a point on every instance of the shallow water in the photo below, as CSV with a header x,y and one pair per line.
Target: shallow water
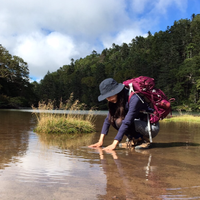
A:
x,y
39,167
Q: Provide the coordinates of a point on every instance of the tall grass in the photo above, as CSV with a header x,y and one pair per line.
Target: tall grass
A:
x,y
183,118
70,123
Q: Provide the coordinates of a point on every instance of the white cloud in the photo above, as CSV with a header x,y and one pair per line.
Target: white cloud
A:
x,y
48,33
162,5
45,52
139,6
124,36
77,17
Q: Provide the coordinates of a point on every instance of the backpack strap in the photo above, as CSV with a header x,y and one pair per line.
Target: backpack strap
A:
x,y
148,124
130,88
132,92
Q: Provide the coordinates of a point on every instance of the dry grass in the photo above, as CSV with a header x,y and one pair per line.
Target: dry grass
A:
x,y
66,123
183,118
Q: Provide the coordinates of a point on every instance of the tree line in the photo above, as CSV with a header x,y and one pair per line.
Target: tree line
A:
x,y
171,57
15,89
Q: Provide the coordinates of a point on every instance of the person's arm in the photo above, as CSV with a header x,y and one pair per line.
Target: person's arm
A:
x,y
104,132
135,106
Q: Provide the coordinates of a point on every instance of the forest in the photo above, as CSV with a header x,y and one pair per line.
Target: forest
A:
x,y
15,89
171,57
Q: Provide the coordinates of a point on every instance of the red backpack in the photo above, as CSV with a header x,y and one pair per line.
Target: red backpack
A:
x,y
156,98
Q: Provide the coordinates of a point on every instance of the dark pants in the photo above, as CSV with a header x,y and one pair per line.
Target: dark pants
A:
x,y
131,130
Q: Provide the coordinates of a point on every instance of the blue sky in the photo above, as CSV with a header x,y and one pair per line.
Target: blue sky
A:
x,y
47,34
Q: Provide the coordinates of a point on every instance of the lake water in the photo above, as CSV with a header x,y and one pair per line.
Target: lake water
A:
x,y
36,167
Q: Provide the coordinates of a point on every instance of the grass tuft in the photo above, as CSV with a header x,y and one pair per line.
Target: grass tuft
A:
x,y
54,123
183,118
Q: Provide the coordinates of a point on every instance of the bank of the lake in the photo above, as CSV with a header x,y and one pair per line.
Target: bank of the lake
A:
x,y
183,118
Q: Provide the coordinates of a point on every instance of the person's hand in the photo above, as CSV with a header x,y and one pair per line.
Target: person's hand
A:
x,y
112,146
99,143
96,145
109,148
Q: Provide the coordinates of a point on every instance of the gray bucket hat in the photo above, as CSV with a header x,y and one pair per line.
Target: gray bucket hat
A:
x,y
108,88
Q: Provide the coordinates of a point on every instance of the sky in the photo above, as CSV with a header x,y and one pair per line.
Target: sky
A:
x,y
47,34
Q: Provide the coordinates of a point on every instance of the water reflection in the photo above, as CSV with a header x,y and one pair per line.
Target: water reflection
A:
x,y
63,142
44,167
149,175
13,137
130,177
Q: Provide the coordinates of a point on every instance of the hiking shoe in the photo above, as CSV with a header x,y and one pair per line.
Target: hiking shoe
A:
x,y
123,145
128,143
144,145
131,142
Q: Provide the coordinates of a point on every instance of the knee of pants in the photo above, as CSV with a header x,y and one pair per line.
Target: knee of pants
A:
x,y
142,127
155,130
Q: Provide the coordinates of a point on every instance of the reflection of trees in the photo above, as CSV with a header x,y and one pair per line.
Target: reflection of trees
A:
x,y
13,135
